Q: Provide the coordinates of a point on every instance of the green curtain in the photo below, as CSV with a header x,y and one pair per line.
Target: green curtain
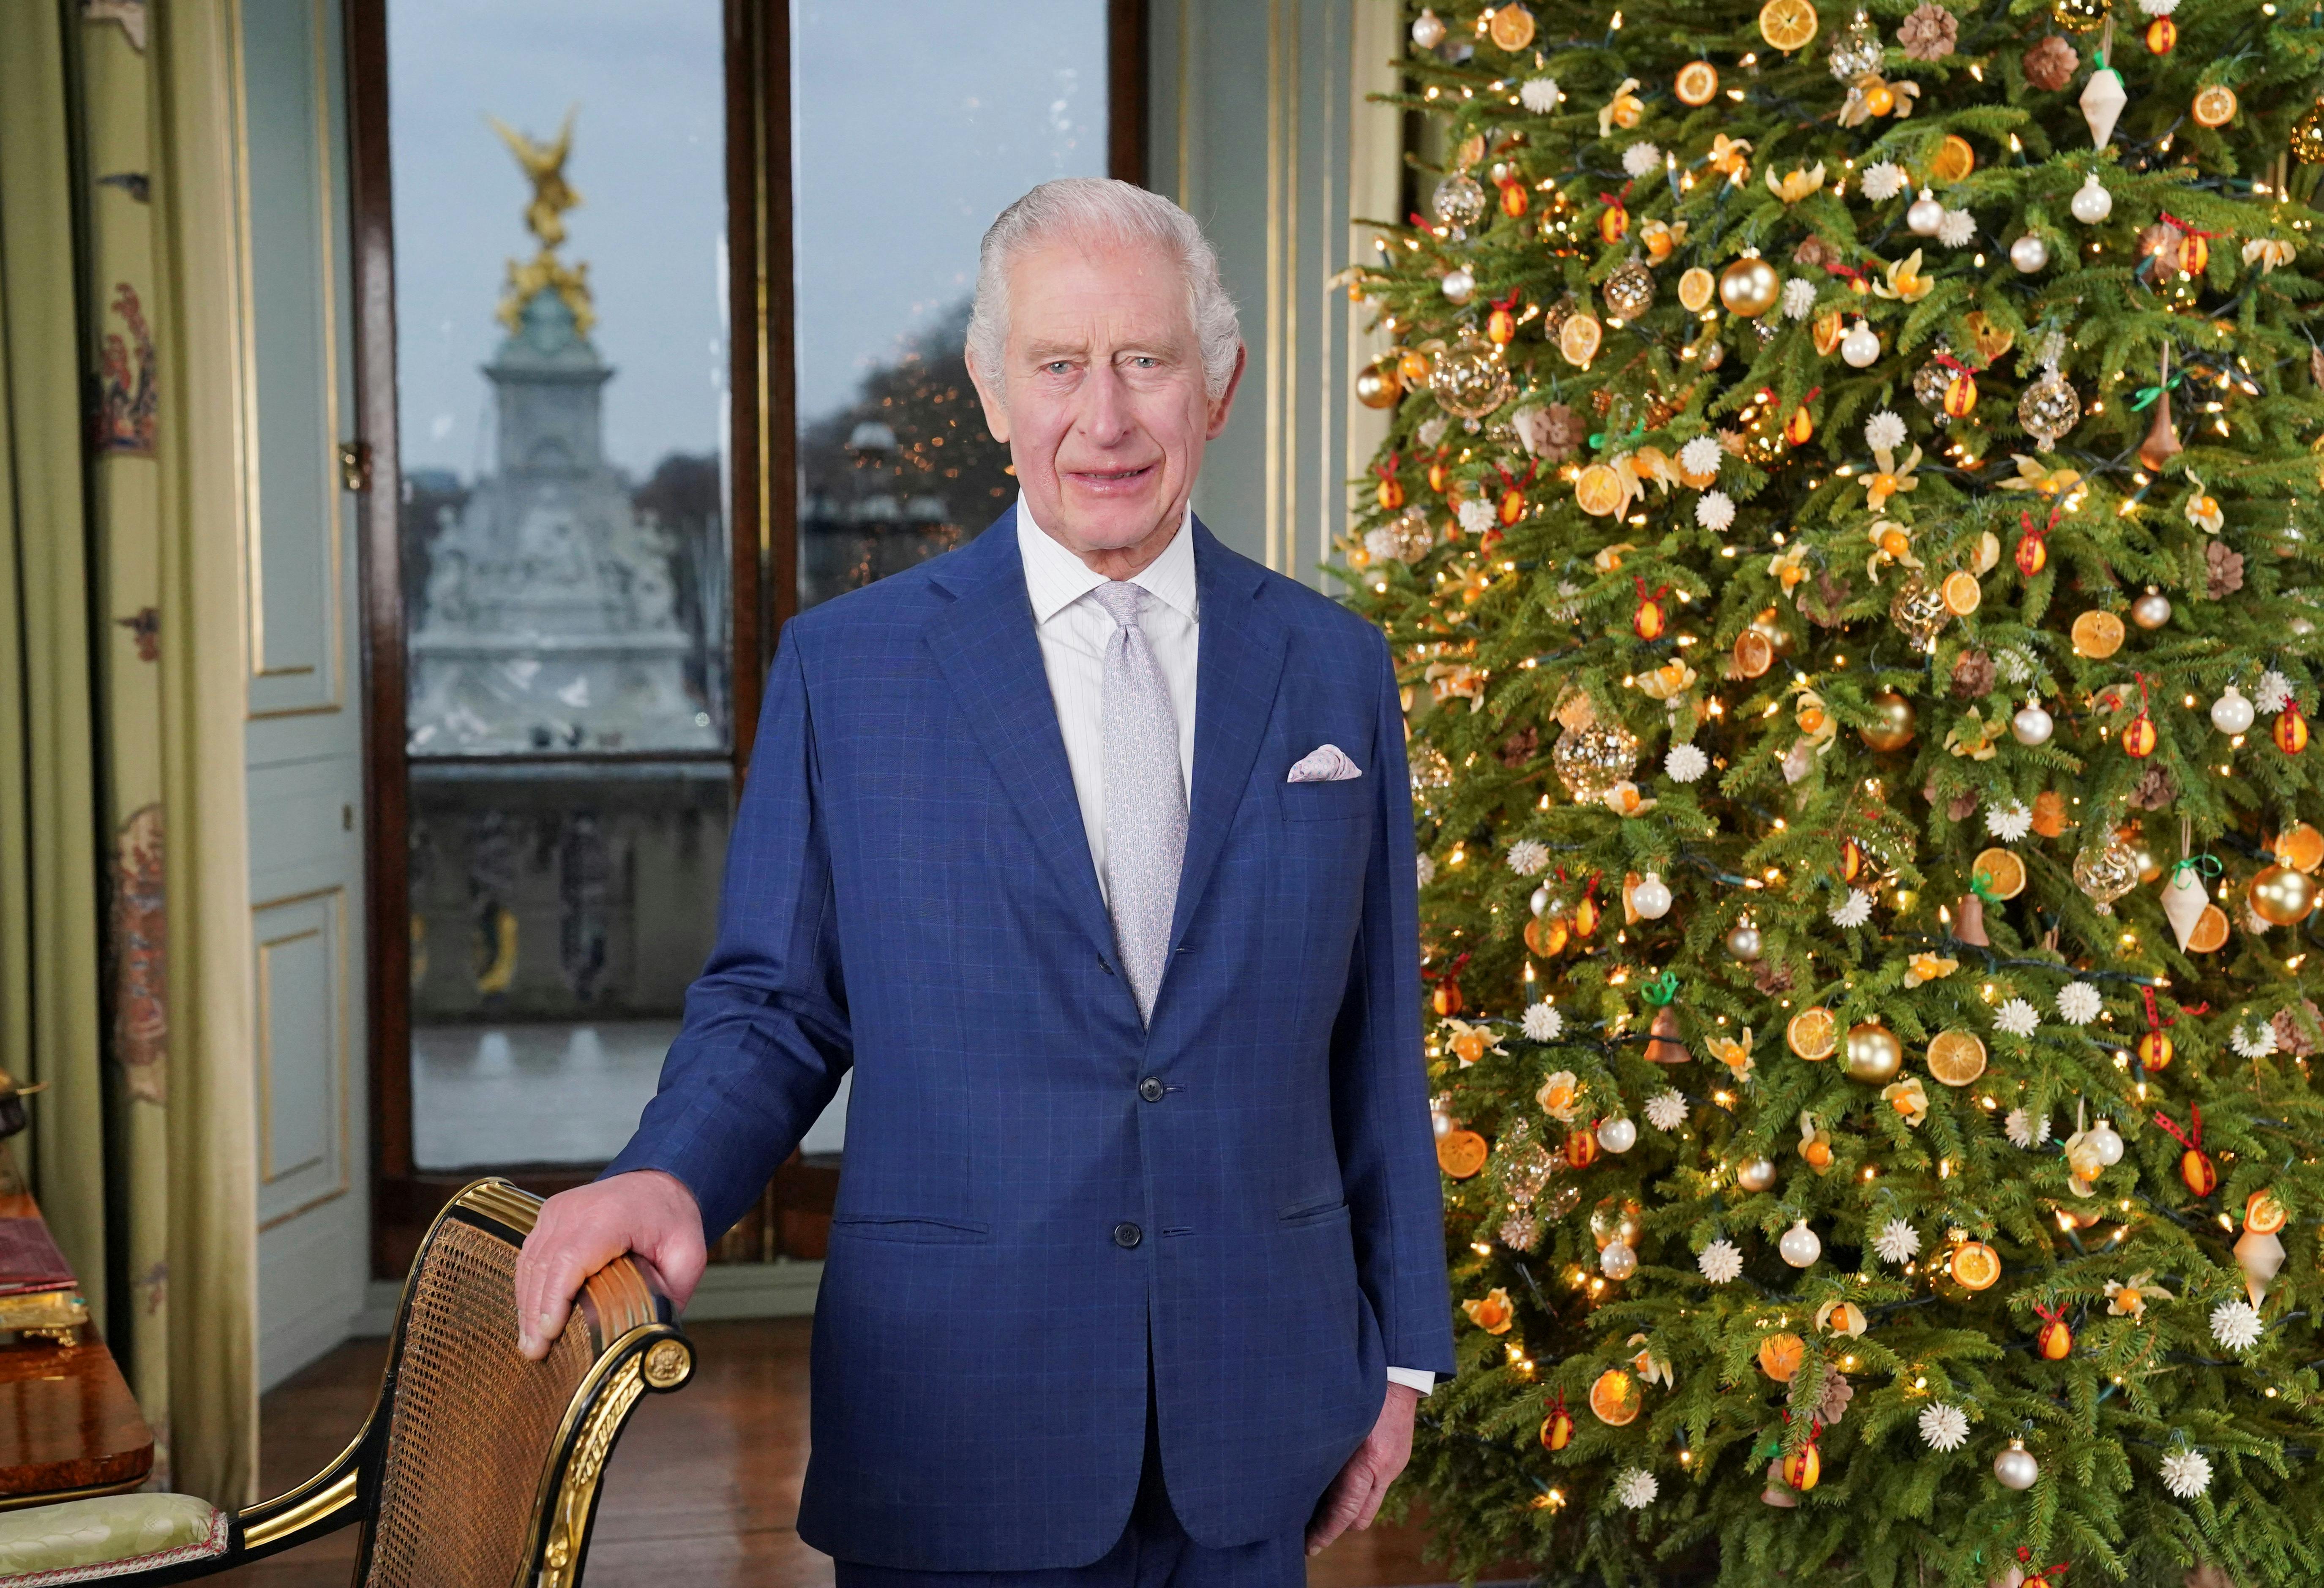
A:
x,y
51,1021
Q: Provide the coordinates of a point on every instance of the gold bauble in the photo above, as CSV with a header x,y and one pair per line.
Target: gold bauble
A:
x,y
1377,385
2282,895
1469,380
1591,761
1920,612
1892,727
2081,17
1874,1055
2308,136
2106,871
1749,287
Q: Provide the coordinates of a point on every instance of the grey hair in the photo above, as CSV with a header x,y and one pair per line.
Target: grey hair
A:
x,y
1099,208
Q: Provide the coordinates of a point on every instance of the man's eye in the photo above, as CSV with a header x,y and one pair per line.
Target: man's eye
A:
x,y
1144,363
1058,366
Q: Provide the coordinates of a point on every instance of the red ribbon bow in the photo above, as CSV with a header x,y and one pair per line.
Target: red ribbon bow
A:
x,y
1386,470
1512,482
2192,1140
2174,223
1449,972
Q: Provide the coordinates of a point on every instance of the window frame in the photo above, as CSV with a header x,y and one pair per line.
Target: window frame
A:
x,y
762,534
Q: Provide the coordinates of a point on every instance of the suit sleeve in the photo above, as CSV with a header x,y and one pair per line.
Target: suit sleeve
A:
x,y
1379,1090
765,1040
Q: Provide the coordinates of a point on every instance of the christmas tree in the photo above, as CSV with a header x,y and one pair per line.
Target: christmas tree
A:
x,y
1848,531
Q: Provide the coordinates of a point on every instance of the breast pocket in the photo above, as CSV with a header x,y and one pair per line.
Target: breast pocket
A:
x,y
1346,800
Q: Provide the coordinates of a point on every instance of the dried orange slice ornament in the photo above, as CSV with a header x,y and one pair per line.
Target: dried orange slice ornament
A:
x,y
2004,873
2097,634
2262,1214
2215,105
1616,1398
1698,81
1512,27
1780,1356
2211,931
1954,160
1814,1034
1460,1154
1962,593
2301,846
1787,24
1579,338
1599,490
1694,291
1976,1266
1955,1057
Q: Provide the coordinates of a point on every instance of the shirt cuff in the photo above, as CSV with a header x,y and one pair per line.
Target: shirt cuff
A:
x,y
1413,1378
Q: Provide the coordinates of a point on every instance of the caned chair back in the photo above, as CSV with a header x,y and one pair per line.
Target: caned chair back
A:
x,y
479,1469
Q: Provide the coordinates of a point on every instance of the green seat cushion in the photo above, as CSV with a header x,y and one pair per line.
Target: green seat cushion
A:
x,y
89,1540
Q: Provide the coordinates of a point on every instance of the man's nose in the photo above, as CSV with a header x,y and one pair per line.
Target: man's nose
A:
x,y
1104,417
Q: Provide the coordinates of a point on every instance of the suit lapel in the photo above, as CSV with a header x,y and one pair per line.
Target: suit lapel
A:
x,y
985,644
1240,663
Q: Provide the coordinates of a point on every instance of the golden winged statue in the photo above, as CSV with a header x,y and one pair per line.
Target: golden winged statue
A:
x,y
544,216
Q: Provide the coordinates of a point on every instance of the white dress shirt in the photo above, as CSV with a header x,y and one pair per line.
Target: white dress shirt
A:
x,y
1074,632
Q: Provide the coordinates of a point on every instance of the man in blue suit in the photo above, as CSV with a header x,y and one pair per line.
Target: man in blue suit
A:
x,y
1088,846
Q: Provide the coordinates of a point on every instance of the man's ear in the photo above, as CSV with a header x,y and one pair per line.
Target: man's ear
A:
x,y
996,408
1225,400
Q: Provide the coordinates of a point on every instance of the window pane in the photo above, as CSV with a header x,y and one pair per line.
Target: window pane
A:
x,y
560,216
908,138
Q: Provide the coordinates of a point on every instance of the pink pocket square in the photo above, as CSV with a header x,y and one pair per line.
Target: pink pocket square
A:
x,y
1325,764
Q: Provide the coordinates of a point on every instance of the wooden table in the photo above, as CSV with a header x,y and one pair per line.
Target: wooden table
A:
x,y
69,1426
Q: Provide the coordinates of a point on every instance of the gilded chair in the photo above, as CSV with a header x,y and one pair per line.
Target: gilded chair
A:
x,y
475,1469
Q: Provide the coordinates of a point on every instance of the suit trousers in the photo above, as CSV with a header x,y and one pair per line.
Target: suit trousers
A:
x,y
1153,1552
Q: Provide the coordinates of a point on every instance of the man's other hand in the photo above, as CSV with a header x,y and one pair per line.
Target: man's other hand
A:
x,y
1355,1495
580,1231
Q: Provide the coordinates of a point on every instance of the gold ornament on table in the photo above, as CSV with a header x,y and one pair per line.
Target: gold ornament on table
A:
x,y
2106,871
1469,380
1749,287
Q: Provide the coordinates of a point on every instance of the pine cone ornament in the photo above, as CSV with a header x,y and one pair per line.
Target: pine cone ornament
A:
x,y
1815,253
1771,979
2051,64
1822,601
2157,790
1519,747
2291,1036
1962,806
2223,570
1563,432
1837,1393
1930,33
1974,674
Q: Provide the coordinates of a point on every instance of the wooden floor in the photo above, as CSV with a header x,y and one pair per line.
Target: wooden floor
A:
x,y
704,1488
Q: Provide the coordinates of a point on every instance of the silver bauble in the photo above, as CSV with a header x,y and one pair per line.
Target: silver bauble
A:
x,y
1619,1134
2091,203
1929,384
1756,1174
1925,214
1590,761
1617,1262
1743,943
2233,711
1800,1246
2032,725
1540,899
1469,380
1427,29
1861,346
1459,200
1652,898
2150,611
2029,254
1857,51
1459,284
2106,1142
2015,1467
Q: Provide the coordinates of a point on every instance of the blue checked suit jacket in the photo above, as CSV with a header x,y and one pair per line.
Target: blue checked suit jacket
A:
x,y
1018,1228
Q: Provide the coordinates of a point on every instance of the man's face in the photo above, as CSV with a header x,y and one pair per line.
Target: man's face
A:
x,y
1100,396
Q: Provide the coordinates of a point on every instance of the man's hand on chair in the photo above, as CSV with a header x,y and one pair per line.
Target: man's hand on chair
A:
x,y
580,1231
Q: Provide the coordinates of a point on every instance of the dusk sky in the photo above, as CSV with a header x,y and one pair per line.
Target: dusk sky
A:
x,y
915,121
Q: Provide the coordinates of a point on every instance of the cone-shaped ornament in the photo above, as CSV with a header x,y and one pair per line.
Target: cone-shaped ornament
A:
x,y
2102,101
1969,922
2183,900
2162,444
2262,1257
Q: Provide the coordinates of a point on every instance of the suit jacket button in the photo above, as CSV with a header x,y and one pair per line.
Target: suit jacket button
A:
x,y
1150,1088
1126,1235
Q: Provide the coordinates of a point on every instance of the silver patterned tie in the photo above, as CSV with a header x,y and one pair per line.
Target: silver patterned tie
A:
x,y
1144,796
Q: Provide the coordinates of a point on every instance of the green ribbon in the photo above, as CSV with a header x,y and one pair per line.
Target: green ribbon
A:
x,y
2147,394
2201,865
1980,883
1598,440
1660,991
